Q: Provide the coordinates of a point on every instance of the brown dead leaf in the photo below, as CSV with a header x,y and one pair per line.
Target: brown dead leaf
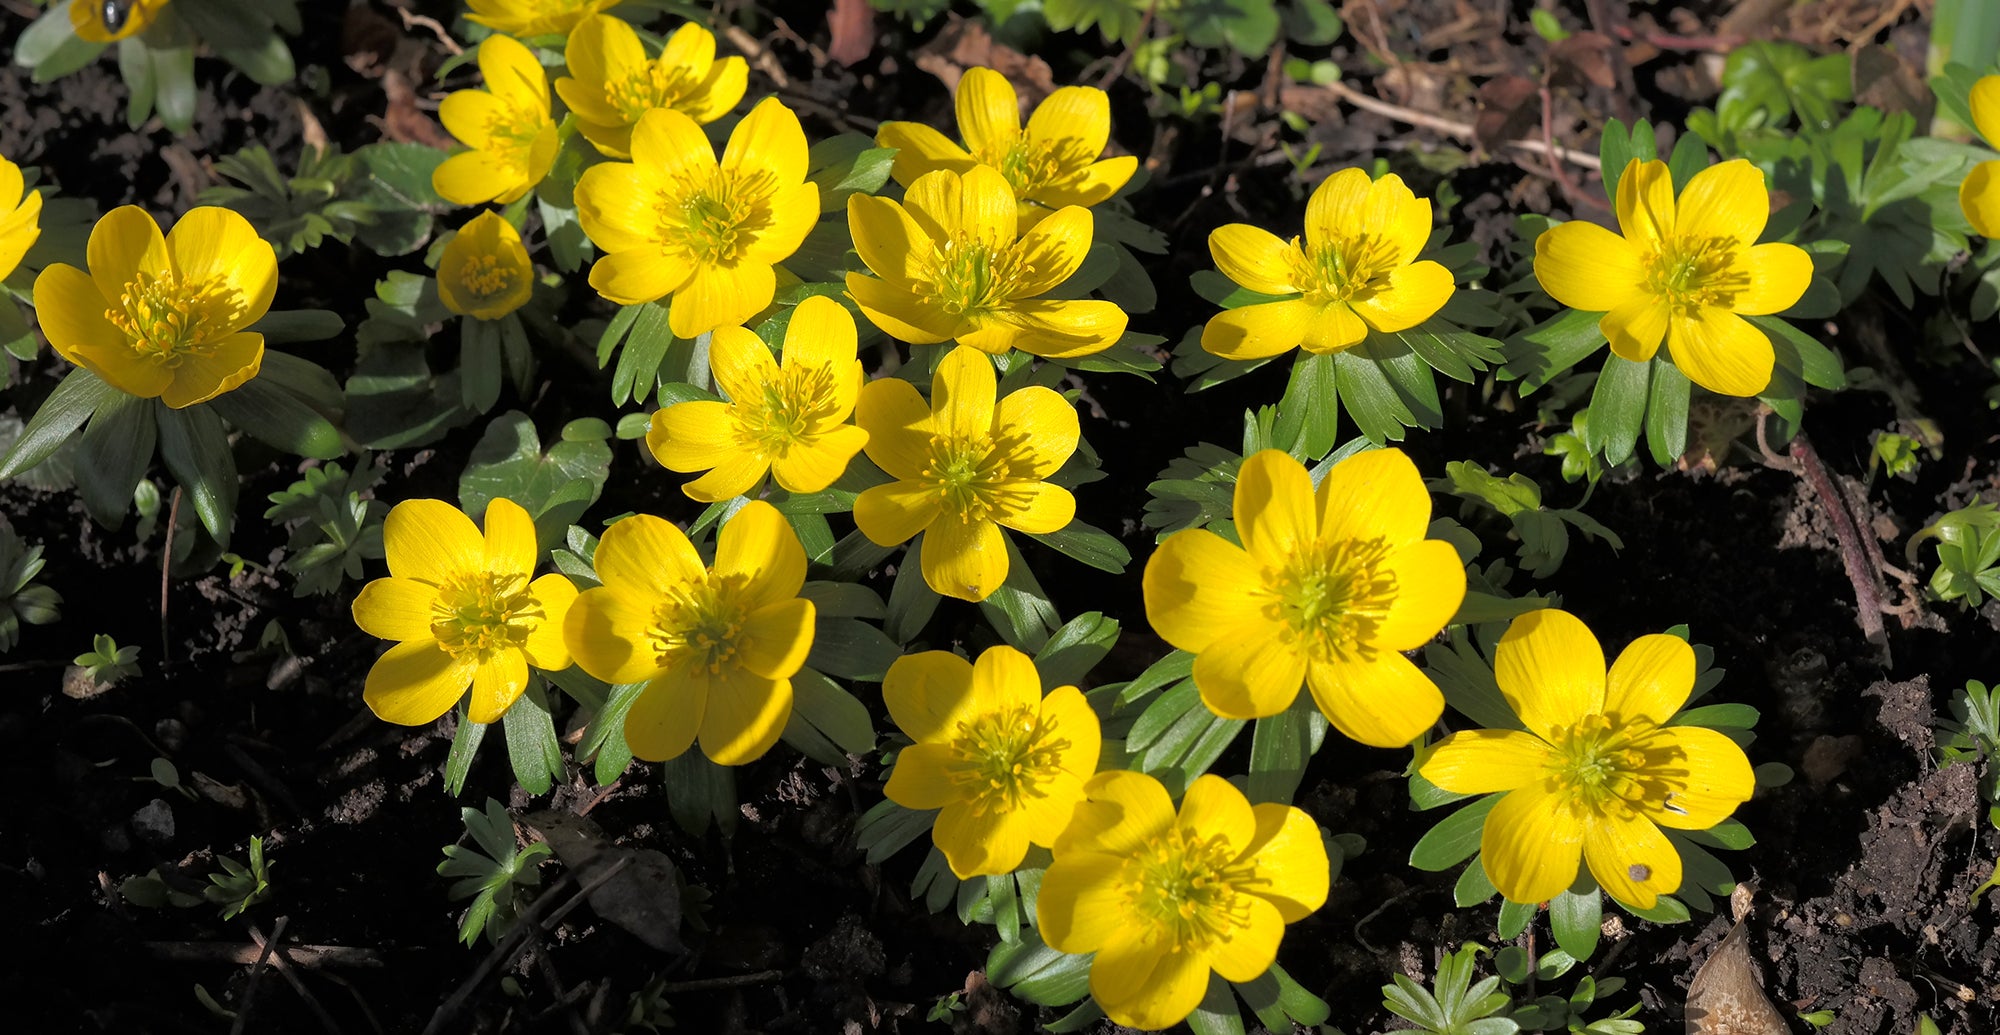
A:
x,y
964,44
852,25
1509,105
643,896
1727,995
1584,57
403,121
1882,79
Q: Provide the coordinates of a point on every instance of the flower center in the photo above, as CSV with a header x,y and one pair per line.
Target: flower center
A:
x,y
1331,597
700,620
970,277
1028,165
480,613
1345,269
1000,760
645,88
1189,890
486,277
967,474
512,131
1695,273
785,414
715,219
167,319
1599,766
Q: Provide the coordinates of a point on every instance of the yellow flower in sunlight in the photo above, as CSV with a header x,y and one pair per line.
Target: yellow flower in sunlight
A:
x,y
717,647
1163,899
1979,194
507,126
463,611
1355,270
1328,589
611,82
86,19
20,217
163,315
1056,162
1597,774
484,271
1685,271
1004,764
788,419
526,18
675,221
953,266
964,466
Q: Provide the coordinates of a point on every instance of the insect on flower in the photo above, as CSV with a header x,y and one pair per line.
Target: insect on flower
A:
x,y
114,13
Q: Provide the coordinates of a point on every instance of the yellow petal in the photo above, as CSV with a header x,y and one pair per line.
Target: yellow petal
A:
x,y
746,713
1123,814
71,311
720,91
898,422
1095,182
473,178
19,228
1082,905
546,647
894,513
669,712
510,538
1412,294
618,204
1652,677
496,684
1637,326
1248,672
1253,257
1722,352
124,242
966,559
769,141
1141,985
414,682
1645,205
776,638
928,694
1483,761
1197,585
1584,266
1053,328
395,609
1374,495
1531,844
1779,274
1335,326
980,843
720,296
1004,679
1430,585
1979,198
1214,808
1038,432
1551,671
1259,331
470,115
989,112
1037,508
607,633
645,557
919,150
1338,206
1726,200
1066,712
512,71
691,49
821,334
1985,101
1053,250
962,394
886,237
1706,776
978,204
1249,949
737,475
1632,861
741,364
211,244
1077,118
1274,509
639,277
900,314
693,436
922,777
669,147
431,540
759,545
1383,701
1291,861
225,366
808,467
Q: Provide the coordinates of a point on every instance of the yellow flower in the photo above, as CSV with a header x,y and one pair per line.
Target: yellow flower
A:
x,y
789,420
1597,774
534,17
507,126
717,647
1004,764
462,610
484,271
674,221
1979,194
1052,165
952,267
20,217
163,315
1163,899
611,82
1355,270
86,19
1330,590
1684,271
964,466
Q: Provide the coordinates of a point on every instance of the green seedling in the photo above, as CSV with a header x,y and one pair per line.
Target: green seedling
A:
x,y
238,886
1453,1005
106,663
493,874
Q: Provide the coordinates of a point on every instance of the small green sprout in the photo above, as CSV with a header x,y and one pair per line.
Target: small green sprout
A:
x,y
1542,531
493,874
1896,455
238,887
21,599
1453,1005
336,529
1968,552
106,663
1818,1018
1972,735
945,1006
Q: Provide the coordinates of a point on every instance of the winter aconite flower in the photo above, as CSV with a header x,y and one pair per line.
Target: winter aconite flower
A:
x,y
534,17
464,608
1979,194
1685,271
611,81
1163,899
20,217
163,315
950,264
86,19
1327,590
1056,162
964,466
507,126
1597,773
1355,270
674,221
484,271
717,647
1004,764
788,419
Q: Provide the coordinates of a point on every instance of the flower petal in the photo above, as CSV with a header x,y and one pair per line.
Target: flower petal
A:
x,y
741,364
964,559
1584,266
1051,328
224,367
1632,861
1250,948
1082,905
1551,671
1274,510
1037,508
889,240
1197,586
898,422
1094,183
1985,101
746,713
962,394
606,632
1123,813
1383,701
989,112
928,694
1727,200
1213,807
776,638
668,147
1249,672
126,241
919,150
978,204
1291,860
637,277
1636,327
1067,713
1979,198
1645,205
496,684
509,538
693,436
645,557
1075,118
760,545
769,141
1141,985
895,513
1705,776
1335,326
1722,352
900,313
1053,250
473,178
1412,294
664,720
1374,495
210,243
1652,677
821,334
979,844
1483,761
414,682
395,609
922,778
617,204
431,540
720,296
1779,275
1259,331
811,466
1253,257
1037,432
546,647
1430,586
1532,843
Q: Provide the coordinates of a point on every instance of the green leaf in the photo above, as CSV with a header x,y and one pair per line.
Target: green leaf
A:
x,y
533,746
278,418
1037,973
1087,543
700,792
195,447
1454,839
115,451
1801,352
1217,1013
75,398
851,649
1280,747
1019,610
174,98
556,486
464,748
1575,917
1539,354
1308,415
1116,20
912,602
832,711
1618,408
1075,648
52,48
1514,918
1667,414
